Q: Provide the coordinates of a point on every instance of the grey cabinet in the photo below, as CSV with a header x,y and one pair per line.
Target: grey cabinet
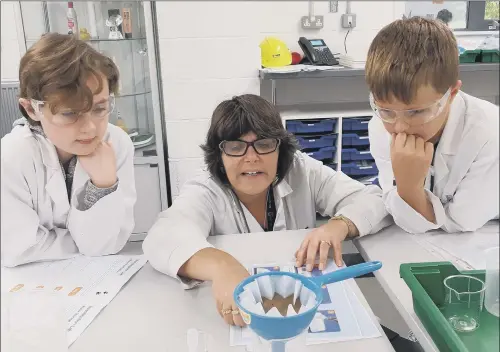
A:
x,y
148,204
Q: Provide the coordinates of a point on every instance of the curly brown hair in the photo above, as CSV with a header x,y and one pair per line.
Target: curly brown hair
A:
x,y
56,69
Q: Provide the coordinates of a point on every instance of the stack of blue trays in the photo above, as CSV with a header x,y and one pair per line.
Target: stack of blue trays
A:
x,y
316,137
357,160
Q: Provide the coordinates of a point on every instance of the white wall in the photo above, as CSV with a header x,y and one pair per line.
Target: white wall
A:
x,y
212,58
218,56
11,47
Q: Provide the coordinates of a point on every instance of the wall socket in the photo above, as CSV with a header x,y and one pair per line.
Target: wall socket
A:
x,y
348,20
308,23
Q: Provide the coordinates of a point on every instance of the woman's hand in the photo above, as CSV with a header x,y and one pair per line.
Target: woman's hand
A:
x,y
224,282
321,239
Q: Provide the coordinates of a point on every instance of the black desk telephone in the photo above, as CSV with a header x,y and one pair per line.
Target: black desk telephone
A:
x,y
317,52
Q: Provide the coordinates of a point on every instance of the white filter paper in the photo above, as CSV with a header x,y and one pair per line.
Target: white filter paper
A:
x,y
266,286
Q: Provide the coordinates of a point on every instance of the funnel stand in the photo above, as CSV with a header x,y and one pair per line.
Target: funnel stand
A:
x,y
278,346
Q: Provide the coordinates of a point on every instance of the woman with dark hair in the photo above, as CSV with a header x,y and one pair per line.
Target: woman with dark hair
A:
x,y
256,181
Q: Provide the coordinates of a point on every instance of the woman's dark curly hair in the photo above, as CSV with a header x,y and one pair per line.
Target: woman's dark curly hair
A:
x,y
234,118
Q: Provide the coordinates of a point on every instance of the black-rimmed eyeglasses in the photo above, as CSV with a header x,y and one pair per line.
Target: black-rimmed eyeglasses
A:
x,y
239,148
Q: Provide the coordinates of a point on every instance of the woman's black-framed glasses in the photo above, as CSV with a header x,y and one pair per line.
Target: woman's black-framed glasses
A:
x,y
239,148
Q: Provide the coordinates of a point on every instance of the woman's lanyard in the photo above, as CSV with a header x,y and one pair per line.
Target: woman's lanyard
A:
x,y
270,210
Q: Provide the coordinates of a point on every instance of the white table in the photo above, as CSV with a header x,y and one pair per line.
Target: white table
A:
x,y
153,313
393,247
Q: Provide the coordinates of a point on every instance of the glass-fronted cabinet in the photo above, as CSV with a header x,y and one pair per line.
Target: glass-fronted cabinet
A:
x,y
124,31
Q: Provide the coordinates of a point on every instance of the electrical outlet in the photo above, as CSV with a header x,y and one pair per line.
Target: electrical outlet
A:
x,y
308,23
348,20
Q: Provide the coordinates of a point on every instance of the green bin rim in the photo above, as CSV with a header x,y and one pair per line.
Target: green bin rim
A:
x,y
418,292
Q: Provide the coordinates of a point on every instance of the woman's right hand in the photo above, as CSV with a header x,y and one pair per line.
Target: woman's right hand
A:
x,y
224,282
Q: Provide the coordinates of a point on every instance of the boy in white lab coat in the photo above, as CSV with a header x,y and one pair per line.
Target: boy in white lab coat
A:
x,y
67,174
436,147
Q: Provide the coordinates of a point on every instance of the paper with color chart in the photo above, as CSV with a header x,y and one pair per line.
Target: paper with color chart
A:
x,y
340,317
85,285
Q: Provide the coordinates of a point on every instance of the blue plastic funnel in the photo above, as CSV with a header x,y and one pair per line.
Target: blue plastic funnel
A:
x,y
281,329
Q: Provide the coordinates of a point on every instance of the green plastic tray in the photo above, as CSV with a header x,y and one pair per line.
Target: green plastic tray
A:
x,y
425,281
470,56
490,56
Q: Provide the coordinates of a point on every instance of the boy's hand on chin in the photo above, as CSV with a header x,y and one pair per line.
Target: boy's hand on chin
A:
x,y
411,158
100,165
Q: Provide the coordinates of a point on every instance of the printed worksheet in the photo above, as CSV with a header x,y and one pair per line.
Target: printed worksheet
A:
x,y
340,317
84,285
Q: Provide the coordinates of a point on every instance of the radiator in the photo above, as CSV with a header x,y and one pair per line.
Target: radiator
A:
x,y
10,106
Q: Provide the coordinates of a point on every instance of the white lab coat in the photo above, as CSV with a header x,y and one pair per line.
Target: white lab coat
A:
x,y
466,166
39,223
204,208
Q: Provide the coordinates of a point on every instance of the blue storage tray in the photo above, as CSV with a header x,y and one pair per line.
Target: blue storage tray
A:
x,y
311,142
359,168
367,180
311,126
353,139
355,124
322,154
349,154
332,166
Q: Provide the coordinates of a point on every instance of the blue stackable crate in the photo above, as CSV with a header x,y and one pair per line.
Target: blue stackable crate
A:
x,y
311,126
354,139
322,153
349,154
355,124
314,142
367,180
360,168
332,166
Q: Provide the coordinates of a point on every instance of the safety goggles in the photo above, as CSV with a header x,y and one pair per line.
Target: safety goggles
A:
x,y
239,148
68,117
413,117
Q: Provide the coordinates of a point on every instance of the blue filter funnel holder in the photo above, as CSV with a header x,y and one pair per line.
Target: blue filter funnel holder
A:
x,y
278,330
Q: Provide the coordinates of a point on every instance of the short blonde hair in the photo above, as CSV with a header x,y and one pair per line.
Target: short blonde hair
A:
x,y
408,54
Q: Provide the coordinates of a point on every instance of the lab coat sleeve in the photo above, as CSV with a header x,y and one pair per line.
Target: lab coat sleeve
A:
x,y
476,199
337,194
106,226
474,203
181,230
23,239
404,215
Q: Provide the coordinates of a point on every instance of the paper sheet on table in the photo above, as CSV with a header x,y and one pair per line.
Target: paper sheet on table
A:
x,y
85,285
465,250
340,317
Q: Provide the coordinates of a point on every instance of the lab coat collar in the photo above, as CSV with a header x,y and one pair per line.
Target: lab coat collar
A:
x,y
283,189
450,139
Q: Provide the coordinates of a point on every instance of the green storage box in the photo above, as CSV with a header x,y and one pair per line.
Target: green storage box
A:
x,y
470,56
425,281
490,56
